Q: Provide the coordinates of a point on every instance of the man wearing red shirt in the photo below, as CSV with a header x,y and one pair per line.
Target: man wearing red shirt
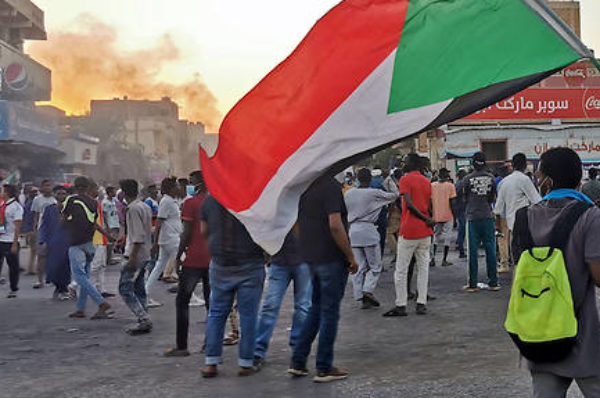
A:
x,y
415,236
195,266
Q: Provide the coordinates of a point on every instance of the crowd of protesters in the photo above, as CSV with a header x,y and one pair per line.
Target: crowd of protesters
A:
x,y
182,234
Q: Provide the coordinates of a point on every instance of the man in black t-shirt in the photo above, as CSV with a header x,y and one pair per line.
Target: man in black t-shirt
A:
x,y
80,215
237,268
324,245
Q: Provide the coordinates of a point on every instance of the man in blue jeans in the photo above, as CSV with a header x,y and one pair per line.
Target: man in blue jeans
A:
x,y
237,268
286,266
480,192
80,215
324,245
138,220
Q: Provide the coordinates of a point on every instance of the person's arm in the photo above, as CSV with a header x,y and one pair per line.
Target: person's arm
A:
x,y
340,237
532,194
184,240
157,229
101,229
36,220
416,212
14,249
493,193
132,261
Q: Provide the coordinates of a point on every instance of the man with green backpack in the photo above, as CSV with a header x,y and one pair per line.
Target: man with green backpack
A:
x,y
552,315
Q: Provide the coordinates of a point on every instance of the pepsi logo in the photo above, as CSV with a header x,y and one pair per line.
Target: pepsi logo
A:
x,y
15,77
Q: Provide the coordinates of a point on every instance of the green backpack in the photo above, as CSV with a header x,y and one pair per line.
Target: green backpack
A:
x,y
541,318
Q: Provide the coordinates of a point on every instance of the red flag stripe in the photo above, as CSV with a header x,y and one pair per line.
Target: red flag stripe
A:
x,y
274,119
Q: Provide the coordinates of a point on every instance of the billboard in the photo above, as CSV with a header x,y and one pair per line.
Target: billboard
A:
x,y
22,78
545,104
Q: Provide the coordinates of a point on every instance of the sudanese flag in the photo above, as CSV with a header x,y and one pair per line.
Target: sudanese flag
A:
x,y
368,74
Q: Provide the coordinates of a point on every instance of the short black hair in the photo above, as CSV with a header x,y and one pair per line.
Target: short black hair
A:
x,y
519,161
58,188
593,173
412,162
183,181
129,187
444,174
563,166
81,183
364,176
45,181
479,161
397,173
168,185
110,188
11,190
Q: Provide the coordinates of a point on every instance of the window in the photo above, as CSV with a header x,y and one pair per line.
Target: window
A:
x,y
495,151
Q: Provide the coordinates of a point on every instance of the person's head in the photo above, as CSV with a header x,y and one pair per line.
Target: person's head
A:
x,y
46,188
364,177
152,191
197,180
462,173
32,192
60,193
169,186
397,174
183,183
81,184
479,161
111,192
130,188
593,173
519,161
93,189
559,168
9,191
412,162
444,174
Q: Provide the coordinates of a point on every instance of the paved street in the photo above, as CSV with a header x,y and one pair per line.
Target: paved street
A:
x,y
458,350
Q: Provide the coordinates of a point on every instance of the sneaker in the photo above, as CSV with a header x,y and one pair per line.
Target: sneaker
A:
x,y
11,294
196,301
366,304
333,375
77,314
107,295
259,363
421,309
73,292
446,263
63,297
173,289
495,288
38,285
297,371
104,312
142,327
432,263
153,303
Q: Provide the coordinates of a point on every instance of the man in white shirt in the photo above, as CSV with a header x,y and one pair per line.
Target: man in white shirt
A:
x,y
111,219
514,192
11,217
167,232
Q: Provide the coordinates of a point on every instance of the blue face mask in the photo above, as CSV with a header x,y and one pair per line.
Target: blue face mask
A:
x,y
427,174
190,190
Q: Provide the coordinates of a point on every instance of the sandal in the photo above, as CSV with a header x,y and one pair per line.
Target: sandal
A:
x,y
396,311
231,339
176,352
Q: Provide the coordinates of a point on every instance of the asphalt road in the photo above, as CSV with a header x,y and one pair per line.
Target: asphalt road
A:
x,y
458,349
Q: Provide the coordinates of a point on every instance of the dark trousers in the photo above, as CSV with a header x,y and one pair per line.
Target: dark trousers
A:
x,y
188,279
13,264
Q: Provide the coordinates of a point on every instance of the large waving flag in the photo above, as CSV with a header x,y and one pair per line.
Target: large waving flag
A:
x,y
370,73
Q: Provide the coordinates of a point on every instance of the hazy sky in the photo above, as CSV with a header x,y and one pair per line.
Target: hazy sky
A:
x,y
232,44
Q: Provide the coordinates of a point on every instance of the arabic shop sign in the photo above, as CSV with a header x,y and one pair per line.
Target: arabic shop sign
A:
x,y
587,147
543,103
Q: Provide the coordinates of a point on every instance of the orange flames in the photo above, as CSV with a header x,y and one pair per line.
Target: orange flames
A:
x,y
88,65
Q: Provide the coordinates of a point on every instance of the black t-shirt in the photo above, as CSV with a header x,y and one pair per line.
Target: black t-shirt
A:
x,y
79,220
289,255
324,197
228,240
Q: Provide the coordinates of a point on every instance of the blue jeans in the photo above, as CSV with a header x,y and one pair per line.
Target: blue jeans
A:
x,y
133,291
80,261
462,229
279,279
482,231
246,281
328,284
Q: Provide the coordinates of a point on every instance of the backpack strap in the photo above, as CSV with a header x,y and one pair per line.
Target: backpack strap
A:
x,y
521,232
563,228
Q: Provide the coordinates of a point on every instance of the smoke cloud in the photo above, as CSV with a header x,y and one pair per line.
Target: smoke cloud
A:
x,y
87,64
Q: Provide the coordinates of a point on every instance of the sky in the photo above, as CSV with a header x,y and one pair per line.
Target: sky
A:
x,y
228,44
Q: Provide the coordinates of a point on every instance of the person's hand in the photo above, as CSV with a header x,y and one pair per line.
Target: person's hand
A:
x,y
14,248
430,222
353,267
